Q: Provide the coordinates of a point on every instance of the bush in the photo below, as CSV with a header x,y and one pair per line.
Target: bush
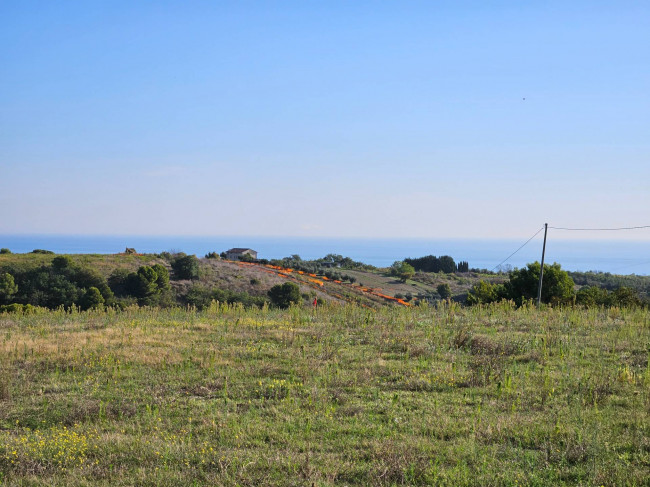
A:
x,y
26,309
484,292
144,285
92,299
118,282
8,287
62,261
12,308
557,287
593,296
201,297
162,277
284,295
41,251
625,296
186,267
5,251
403,270
444,290
212,255
596,296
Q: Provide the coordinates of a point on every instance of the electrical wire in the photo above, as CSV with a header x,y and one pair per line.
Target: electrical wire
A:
x,y
525,243
607,230
600,229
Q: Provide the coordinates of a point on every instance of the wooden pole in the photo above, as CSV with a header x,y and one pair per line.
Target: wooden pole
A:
x,y
541,270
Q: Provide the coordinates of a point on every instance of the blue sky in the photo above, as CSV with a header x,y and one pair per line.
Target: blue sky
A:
x,y
340,119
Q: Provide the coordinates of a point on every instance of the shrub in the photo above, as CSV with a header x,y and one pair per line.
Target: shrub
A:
x,y
118,282
444,290
186,267
484,292
212,255
41,251
403,270
8,287
61,262
556,289
92,299
162,277
593,296
284,295
5,251
12,308
625,296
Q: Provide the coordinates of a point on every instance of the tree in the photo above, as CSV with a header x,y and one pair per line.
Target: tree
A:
x,y
118,282
186,267
402,270
557,287
447,264
5,251
162,277
92,299
284,295
8,287
61,262
444,290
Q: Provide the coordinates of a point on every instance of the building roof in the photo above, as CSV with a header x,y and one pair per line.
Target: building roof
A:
x,y
239,250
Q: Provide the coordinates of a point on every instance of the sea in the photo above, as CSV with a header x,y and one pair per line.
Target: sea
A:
x,y
616,257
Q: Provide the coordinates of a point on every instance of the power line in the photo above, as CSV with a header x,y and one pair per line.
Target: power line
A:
x,y
600,229
526,242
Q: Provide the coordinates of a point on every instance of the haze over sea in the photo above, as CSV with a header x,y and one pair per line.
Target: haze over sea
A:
x,y
619,257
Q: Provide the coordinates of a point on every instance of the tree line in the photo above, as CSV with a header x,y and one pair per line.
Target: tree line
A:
x,y
558,289
431,263
62,283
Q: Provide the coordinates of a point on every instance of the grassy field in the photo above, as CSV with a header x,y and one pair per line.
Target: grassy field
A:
x,y
338,396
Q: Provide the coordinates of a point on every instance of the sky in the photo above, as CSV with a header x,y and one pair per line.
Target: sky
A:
x,y
457,119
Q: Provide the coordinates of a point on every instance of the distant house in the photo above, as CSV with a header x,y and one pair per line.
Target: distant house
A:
x,y
237,254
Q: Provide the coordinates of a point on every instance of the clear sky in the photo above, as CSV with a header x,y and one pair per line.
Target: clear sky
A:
x,y
344,119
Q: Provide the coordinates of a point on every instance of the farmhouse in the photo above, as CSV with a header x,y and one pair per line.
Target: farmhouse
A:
x,y
237,253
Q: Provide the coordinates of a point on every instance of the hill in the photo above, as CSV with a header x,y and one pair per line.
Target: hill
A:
x,y
369,287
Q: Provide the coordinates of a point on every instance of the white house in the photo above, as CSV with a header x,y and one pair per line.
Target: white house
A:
x,y
237,253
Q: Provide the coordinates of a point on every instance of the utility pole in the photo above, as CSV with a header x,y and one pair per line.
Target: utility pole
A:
x,y
541,270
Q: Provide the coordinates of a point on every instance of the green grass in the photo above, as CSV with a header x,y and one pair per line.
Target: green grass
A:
x,y
340,396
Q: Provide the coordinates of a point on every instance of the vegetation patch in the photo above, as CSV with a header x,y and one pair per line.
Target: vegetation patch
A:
x,y
444,395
